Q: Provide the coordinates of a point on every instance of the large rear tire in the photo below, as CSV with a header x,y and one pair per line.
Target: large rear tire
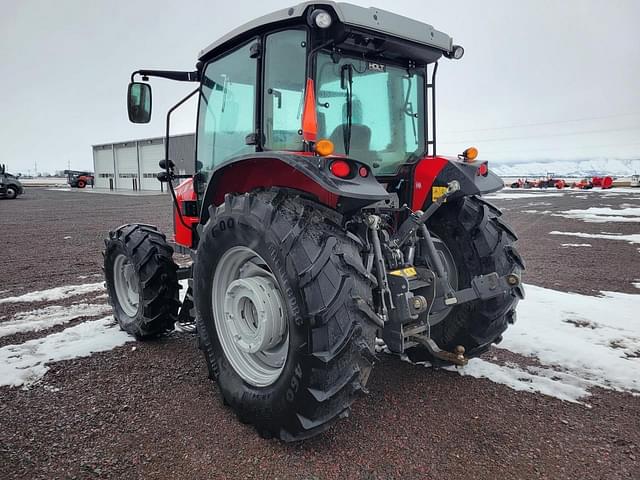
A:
x,y
480,243
312,271
142,280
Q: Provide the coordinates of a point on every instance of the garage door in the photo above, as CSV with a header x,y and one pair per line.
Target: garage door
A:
x,y
151,152
126,166
103,165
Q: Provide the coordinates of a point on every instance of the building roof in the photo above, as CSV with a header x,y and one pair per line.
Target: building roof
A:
x,y
147,139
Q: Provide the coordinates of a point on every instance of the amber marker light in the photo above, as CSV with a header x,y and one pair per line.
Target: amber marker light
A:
x,y
470,154
324,147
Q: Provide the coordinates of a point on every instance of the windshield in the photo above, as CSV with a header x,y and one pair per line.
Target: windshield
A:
x,y
370,111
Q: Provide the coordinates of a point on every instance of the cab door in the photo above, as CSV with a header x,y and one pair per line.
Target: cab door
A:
x,y
227,113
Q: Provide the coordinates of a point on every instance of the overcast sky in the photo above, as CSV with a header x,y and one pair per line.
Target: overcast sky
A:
x,y
562,76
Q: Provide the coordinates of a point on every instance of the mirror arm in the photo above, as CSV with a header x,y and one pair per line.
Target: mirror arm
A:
x,y
169,74
169,169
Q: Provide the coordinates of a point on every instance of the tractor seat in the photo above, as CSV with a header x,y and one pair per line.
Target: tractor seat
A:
x,y
360,145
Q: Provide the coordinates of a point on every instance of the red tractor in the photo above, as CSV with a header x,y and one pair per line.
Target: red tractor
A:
x,y
319,218
604,183
522,183
583,184
78,178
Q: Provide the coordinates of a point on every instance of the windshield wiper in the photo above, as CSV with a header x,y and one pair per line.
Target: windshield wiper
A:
x,y
408,108
346,83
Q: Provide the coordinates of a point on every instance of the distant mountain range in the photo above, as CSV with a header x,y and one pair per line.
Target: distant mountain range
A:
x,y
568,168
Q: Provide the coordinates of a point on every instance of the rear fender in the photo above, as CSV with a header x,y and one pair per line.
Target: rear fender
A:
x,y
432,174
297,171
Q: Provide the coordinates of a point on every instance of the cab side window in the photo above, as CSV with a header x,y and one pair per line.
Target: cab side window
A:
x,y
227,108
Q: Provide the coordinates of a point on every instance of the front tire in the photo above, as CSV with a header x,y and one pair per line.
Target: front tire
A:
x,y
11,193
142,280
316,272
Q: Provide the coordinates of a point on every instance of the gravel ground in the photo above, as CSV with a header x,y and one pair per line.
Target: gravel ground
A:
x,y
147,410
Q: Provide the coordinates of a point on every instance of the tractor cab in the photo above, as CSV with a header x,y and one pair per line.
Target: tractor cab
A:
x,y
334,76
331,99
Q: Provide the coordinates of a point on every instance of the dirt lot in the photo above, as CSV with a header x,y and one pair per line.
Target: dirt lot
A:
x,y
147,410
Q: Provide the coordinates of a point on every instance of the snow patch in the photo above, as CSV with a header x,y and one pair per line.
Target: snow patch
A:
x,y
43,318
26,363
57,293
581,342
596,339
602,214
542,212
632,238
516,196
546,381
575,244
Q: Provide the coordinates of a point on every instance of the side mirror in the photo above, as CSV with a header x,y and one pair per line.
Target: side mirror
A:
x,y
139,102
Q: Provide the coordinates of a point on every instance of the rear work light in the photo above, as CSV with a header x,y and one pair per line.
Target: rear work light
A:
x,y
340,168
321,18
483,170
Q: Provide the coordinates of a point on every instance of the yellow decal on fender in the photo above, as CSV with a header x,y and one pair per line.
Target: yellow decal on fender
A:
x,y
405,272
437,192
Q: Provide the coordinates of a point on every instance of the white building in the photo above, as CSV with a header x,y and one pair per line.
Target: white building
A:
x,y
133,164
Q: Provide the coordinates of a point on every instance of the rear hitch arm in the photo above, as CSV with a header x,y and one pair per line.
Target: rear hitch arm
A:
x,y
484,287
373,222
417,219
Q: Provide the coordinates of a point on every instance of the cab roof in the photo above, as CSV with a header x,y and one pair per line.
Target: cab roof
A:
x,y
371,18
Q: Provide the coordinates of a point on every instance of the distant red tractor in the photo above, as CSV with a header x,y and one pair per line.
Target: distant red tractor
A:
x,y
602,182
547,182
79,178
588,183
319,218
583,184
522,183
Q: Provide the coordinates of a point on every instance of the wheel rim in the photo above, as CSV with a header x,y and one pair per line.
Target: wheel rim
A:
x,y
250,316
125,280
449,264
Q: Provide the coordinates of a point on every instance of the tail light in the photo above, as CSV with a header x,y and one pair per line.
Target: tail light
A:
x,y
483,170
340,168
